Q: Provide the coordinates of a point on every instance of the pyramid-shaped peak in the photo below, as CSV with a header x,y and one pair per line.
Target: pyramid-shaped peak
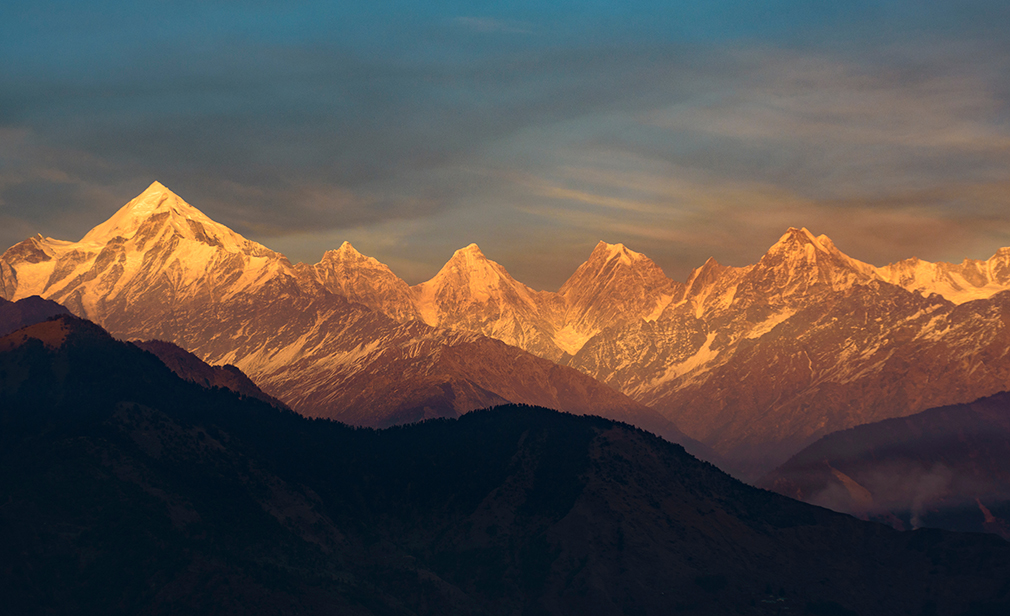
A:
x,y
612,249
468,257
346,250
799,238
157,197
711,262
608,252
469,263
156,187
799,233
800,258
613,266
348,256
162,208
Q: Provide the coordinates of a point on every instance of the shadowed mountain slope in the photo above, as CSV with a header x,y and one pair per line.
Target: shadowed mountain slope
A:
x,y
191,368
130,491
25,312
947,467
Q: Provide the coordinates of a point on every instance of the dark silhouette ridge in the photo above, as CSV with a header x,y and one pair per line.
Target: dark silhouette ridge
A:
x,y
127,490
191,368
27,311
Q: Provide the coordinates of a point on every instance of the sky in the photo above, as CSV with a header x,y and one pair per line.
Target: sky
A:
x,y
684,130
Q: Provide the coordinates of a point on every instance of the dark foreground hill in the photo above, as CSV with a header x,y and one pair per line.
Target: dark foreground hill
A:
x,y
191,368
126,490
25,312
947,467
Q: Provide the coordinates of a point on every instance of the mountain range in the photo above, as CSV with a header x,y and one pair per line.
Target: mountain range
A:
x,y
159,269
128,490
755,362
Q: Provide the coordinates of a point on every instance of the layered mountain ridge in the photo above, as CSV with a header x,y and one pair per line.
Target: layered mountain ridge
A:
x,y
309,336
947,466
27,311
755,361
128,490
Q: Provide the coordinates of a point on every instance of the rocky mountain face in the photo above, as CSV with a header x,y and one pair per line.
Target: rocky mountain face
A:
x,y
128,490
307,335
363,280
947,467
614,287
473,293
971,279
425,376
756,361
759,361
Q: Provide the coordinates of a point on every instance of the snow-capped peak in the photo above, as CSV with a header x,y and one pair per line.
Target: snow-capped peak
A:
x,y
796,237
348,254
160,207
156,241
470,265
800,244
609,252
799,259
469,278
347,249
609,261
468,253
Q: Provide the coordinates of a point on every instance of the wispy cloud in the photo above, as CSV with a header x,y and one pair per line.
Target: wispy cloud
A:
x,y
688,133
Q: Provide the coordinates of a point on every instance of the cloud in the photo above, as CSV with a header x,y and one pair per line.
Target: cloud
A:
x,y
686,134
889,160
281,139
899,486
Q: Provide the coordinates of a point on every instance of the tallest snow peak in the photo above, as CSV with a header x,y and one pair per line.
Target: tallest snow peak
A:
x,y
156,187
158,211
157,197
155,200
